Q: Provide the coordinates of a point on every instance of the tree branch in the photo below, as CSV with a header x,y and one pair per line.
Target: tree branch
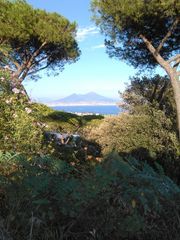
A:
x,y
152,49
175,23
30,61
176,63
33,72
8,57
41,60
174,58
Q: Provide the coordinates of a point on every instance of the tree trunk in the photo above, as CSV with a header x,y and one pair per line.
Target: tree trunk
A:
x,y
172,73
17,83
176,88
175,82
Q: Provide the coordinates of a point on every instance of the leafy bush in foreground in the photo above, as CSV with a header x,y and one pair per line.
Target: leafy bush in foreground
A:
x,y
20,130
120,199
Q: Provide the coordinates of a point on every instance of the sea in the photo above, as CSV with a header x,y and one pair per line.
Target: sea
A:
x,y
100,109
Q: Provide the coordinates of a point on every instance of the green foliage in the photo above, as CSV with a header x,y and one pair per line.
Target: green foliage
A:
x,y
42,110
89,118
119,199
153,91
33,39
147,135
152,95
122,22
128,132
63,121
19,128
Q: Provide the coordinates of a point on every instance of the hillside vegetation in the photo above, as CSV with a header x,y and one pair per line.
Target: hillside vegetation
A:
x,y
108,186
69,177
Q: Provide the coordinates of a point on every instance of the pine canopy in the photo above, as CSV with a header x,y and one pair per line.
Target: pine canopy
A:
x,y
33,39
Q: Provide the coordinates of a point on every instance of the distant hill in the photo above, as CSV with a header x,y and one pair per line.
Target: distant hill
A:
x,y
90,98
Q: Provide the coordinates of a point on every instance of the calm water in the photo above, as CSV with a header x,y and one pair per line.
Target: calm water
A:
x,y
105,110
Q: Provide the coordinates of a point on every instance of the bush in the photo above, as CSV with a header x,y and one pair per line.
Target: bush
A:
x,y
66,122
126,133
147,136
155,91
121,198
19,129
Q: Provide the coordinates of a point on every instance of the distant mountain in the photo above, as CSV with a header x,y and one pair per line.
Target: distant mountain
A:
x,y
90,98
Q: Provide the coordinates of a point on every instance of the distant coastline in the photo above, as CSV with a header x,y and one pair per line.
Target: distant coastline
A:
x,y
90,109
81,104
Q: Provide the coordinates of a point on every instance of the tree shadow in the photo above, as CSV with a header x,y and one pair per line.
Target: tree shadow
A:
x,y
168,163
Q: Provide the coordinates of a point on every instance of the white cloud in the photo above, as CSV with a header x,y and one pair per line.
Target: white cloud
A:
x,y
83,33
98,46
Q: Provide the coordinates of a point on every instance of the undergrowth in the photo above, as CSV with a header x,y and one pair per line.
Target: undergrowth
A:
x,y
120,198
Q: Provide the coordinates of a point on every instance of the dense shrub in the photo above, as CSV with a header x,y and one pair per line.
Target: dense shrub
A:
x,y
20,130
126,132
146,135
120,199
155,91
68,122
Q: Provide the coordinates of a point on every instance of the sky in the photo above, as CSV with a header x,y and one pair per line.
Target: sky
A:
x,y
94,71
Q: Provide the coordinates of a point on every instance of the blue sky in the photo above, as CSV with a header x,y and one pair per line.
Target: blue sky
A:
x,y
94,71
